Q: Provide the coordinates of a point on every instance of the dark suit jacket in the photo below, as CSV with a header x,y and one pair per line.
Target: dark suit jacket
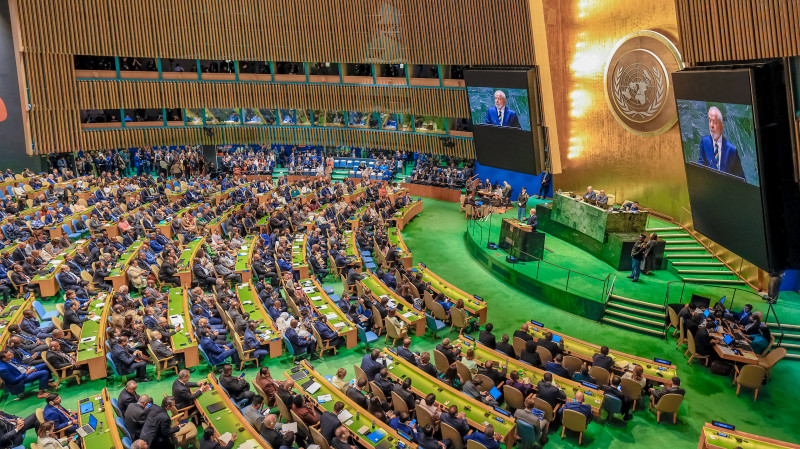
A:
x,y
550,393
235,386
123,359
273,437
211,444
523,335
125,399
550,346
135,417
729,160
557,369
603,361
509,118
507,349
160,349
156,429
183,395
487,339
357,396
459,424
58,360
329,422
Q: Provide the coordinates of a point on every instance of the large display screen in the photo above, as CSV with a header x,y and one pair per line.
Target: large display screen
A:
x,y
721,154
719,136
505,118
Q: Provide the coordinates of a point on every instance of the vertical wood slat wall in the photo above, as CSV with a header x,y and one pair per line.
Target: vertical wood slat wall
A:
x,y
446,32
725,30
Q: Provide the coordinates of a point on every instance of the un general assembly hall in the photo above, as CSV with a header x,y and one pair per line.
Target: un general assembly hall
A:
x,y
399,224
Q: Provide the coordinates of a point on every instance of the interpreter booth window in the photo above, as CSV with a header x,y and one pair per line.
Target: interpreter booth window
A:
x,y
213,66
335,119
323,68
366,120
194,116
224,116
460,124
178,65
405,122
133,64
389,121
174,117
303,117
151,117
101,116
86,62
254,67
425,71
430,124
289,68
287,116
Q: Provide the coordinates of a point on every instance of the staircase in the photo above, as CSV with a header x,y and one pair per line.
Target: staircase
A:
x,y
691,261
632,314
791,339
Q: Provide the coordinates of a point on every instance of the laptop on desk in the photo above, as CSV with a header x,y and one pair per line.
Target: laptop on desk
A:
x,y
87,429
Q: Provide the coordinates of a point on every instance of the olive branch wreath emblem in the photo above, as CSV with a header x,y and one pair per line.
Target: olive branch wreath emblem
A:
x,y
658,100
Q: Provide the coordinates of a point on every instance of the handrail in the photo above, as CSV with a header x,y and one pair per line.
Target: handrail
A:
x,y
608,278
608,295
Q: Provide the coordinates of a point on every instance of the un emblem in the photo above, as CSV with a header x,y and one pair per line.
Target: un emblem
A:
x,y
637,85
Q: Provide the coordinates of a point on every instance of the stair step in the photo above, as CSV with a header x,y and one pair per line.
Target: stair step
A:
x,y
689,256
639,319
668,228
638,302
714,281
789,346
791,327
686,248
698,264
680,242
672,236
714,272
646,330
637,310
792,356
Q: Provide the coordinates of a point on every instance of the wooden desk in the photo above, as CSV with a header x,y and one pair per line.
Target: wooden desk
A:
x,y
422,384
742,354
106,436
661,373
414,318
361,418
299,258
119,275
404,215
183,341
338,320
186,261
244,257
396,239
266,331
437,193
93,353
229,418
713,437
14,316
474,306
47,282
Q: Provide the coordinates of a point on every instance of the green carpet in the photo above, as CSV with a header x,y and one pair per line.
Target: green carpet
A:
x,y
436,239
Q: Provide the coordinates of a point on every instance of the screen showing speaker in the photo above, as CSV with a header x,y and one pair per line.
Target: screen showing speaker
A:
x,y
504,110
720,141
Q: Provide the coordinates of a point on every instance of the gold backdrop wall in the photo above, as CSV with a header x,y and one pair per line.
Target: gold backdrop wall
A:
x,y
595,149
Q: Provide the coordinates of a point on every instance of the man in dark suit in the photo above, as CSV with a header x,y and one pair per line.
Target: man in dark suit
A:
x,y
167,271
203,277
157,429
404,391
127,396
273,437
129,361
716,151
675,388
455,419
74,316
550,345
602,359
500,115
426,366
546,391
493,373
329,421
556,367
161,350
505,347
100,275
181,390
301,344
486,337
405,351
703,343
449,351
522,333
136,415
577,405
14,373
370,364
358,393
59,359
237,387
544,189
71,281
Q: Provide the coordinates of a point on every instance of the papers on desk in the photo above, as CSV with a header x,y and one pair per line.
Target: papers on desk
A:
x,y
225,438
324,398
408,314
750,355
99,305
385,296
175,320
726,350
96,318
289,427
56,262
250,444
88,339
330,316
338,325
309,289
322,307
344,416
244,247
313,388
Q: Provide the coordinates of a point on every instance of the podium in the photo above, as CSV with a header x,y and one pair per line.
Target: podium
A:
x,y
521,241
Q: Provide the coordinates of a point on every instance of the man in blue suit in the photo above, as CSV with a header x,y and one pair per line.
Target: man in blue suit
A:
x,y
218,354
716,151
300,344
14,373
577,405
251,341
61,417
129,361
500,115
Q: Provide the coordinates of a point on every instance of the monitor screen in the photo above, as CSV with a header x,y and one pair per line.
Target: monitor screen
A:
x,y
93,421
504,110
